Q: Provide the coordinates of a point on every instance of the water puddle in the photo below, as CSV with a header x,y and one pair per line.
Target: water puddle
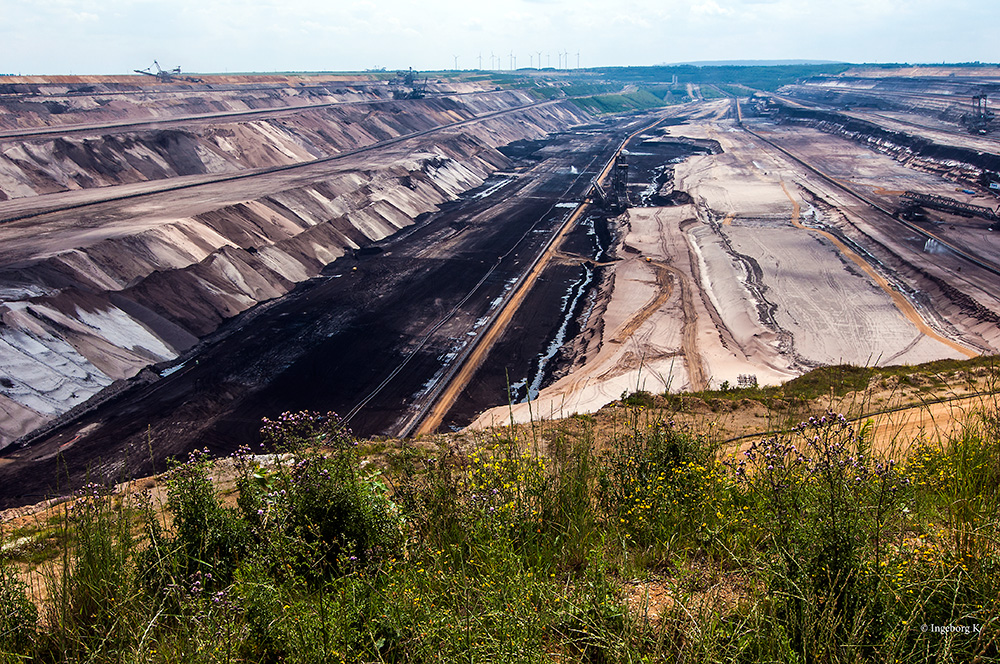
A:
x,y
570,304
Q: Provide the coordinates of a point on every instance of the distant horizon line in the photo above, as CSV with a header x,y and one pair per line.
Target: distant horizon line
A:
x,y
692,63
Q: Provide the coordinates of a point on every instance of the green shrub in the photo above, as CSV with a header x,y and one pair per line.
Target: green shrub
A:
x,y
639,398
432,495
209,538
506,491
18,617
806,547
825,509
659,484
596,622
315,507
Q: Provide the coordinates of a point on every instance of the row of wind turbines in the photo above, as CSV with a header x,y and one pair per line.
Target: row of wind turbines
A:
x,y
497,61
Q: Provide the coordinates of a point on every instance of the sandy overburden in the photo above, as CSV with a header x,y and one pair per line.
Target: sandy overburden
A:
x,y
735,283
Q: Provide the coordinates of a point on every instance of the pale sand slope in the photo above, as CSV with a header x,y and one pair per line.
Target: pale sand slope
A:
x,y
741,291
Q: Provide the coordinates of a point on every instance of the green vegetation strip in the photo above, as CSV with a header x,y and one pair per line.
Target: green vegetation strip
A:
x,y
566,541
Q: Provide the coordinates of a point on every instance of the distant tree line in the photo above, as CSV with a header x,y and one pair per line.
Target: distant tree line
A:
x,y
769,77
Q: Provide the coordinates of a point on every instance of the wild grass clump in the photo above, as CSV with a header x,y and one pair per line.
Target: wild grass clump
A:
x,y
18,617
662,487
639,541
316,507
95,596
825,509
841,530
196,579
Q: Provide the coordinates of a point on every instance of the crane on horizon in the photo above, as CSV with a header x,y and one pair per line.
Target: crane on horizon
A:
x,y
165,74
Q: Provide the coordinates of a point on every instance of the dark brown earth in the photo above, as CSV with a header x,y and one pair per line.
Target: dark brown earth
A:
x,y
364,339
515,363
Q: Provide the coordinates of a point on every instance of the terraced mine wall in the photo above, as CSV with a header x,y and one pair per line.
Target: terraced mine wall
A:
x,y
942,97
954,162
47,102
76,322
43,164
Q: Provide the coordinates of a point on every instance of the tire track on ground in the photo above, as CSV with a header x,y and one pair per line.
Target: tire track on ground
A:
x,y
431,419
689,332
904,306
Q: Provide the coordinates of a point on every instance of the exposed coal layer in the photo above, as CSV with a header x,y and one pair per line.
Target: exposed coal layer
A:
x,y
561,305
591,239
390,320
513,362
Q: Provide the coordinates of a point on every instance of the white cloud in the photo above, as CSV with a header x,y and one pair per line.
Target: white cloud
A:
x,y
115,36
710,8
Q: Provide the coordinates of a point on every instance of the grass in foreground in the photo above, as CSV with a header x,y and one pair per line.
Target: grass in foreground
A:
x,y
645,542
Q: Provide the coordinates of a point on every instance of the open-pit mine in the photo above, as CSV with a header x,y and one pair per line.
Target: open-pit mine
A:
x,y
180,258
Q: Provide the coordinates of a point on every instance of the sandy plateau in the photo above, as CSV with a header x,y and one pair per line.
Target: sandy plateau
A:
x,y
770,271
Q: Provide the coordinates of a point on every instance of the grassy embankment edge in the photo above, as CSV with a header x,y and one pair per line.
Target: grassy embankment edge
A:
x,y
632,534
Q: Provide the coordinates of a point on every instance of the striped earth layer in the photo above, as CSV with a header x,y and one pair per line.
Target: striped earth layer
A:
x,y
90,298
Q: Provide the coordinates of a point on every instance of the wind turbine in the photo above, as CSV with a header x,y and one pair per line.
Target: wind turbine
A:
x,y
578,59
456,63
480,61
539,59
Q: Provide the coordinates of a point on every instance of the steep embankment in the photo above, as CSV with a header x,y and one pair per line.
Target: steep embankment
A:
x,y
90,298
944,97
45,102
917,152
322,126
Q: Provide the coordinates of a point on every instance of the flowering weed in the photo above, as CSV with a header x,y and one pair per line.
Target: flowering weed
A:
x,y
805,546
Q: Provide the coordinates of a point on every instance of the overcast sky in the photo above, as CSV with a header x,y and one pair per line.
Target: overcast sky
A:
x,y
116,36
